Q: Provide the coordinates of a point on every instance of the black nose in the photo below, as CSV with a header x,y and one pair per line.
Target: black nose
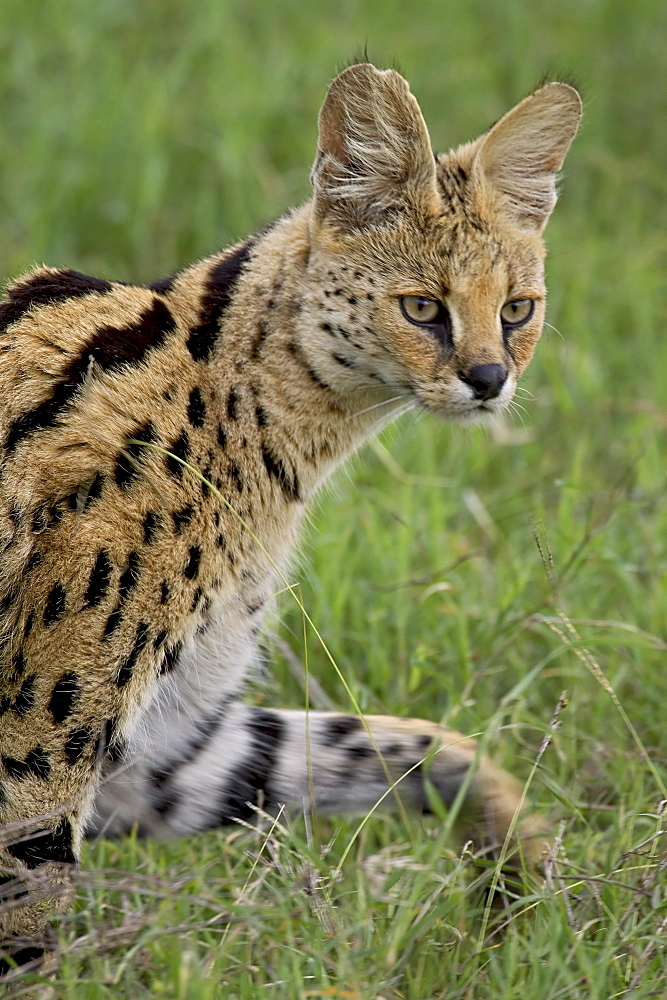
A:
x,y
486,381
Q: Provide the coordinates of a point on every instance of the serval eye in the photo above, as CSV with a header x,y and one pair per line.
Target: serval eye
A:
x,y
517,313
419,309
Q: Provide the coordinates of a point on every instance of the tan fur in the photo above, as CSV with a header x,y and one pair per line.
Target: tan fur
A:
x,y
310,355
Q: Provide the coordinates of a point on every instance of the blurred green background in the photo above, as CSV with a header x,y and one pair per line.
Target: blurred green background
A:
x,y
136,137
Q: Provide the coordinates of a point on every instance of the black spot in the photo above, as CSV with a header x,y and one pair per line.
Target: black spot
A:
x,y
295,350
18,665
39,520
51,845
235,474
55,605
98,583
94,490
345,362
111,743
160,638
232,404
250,783
359,751
222,436
151,526
171,656
260,337
181,449
36,763
64,697
276,470
25,699
196,408
424,742
191,569
110,349
339,727
198,594
182,517
85,494
42,289
22,956
130,577
34,560
352,301
29,622
128,462
55,514
129,663
219,290
221,542
113,622
164,592
262,416
77,741
11,888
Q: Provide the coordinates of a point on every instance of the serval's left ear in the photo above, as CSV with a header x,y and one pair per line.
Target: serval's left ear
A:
x,y
374,153
516,162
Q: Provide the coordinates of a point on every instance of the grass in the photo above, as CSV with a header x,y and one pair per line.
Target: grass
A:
x,y
464,576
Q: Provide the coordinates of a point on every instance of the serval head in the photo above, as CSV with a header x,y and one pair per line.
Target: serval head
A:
x,y
428,271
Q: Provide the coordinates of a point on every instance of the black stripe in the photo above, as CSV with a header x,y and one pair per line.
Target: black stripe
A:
x,y
206,730
251,780
42,289
336,729
219,291
111,348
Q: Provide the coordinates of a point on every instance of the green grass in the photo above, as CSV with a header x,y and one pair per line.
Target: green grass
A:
x,y
137,137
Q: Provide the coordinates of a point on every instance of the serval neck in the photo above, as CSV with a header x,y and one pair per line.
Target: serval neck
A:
x,y
270,362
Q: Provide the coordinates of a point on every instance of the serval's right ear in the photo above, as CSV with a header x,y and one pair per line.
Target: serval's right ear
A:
x,y
374,152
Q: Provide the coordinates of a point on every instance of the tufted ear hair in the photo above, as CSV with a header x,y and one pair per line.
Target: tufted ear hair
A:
x,y
374,153
519,157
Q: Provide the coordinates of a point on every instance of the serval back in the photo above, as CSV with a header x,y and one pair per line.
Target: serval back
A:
x,y
161,444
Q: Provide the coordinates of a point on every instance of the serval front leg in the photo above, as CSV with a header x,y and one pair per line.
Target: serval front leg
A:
x,y
226,765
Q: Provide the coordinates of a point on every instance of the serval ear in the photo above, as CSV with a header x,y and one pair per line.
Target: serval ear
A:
x,y
516,162
374,155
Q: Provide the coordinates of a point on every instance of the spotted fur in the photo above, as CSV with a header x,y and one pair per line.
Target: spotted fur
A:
x,y
160,445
